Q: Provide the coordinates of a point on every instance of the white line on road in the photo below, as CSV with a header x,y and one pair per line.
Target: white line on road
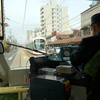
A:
x,y
12,56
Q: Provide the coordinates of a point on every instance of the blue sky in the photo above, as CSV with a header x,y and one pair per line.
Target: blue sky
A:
x,y
14,10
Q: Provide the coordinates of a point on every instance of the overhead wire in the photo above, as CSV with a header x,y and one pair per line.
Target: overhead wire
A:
x,y
22,23
71,2
24,18
24,15
64,1
77,23
59,2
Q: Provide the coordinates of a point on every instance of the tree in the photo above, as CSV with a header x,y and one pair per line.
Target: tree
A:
x,y
6,46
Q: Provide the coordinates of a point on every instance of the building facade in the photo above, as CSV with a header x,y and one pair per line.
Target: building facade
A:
x,y
54,18
28,34
86,18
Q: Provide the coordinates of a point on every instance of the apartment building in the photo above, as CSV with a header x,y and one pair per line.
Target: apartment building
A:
x,y
54,18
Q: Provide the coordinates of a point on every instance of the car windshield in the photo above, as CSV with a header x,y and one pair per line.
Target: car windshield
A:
x,y
36,24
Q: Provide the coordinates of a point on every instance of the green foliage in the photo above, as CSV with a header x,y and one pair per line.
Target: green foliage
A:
x,y
6,46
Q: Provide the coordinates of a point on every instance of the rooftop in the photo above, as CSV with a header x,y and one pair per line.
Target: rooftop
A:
x,y
70,40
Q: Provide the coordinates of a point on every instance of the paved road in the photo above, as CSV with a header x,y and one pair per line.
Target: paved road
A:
x,y
10,56
21,59
18,58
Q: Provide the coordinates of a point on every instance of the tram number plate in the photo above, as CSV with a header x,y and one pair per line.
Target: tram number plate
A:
x,y
26,79
63,70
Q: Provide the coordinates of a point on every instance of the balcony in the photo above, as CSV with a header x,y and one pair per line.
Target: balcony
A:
x,y
42,16
42,24
42,12
41,9
42,21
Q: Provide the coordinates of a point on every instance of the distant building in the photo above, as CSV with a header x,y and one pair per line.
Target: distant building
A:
x,y
76,33
54,18
60,36
38,31
29,33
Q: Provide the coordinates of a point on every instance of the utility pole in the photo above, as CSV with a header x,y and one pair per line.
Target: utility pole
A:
x,y
1,20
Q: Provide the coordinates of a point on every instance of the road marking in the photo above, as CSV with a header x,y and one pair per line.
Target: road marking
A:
x,y
12,56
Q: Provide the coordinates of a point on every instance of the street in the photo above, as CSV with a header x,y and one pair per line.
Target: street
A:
x,y
18,58
10,56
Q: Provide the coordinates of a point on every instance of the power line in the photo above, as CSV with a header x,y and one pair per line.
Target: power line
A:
x,y
24,15
71,2
22,23
62,2
74,24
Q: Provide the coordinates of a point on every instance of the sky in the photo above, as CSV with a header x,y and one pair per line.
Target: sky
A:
x,y
20,19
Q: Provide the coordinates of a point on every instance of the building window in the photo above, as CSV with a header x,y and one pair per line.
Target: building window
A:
x,y
59,17
59,30
42,8
53,13
52,30
52,26
59,21
52,22
53,9
42,32
59,13
59,25
59,9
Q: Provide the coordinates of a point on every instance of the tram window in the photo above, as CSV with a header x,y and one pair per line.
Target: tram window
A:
x,y
39,44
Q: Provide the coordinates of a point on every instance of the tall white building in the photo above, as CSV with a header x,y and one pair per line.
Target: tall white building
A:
x,y
54,18
29,33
